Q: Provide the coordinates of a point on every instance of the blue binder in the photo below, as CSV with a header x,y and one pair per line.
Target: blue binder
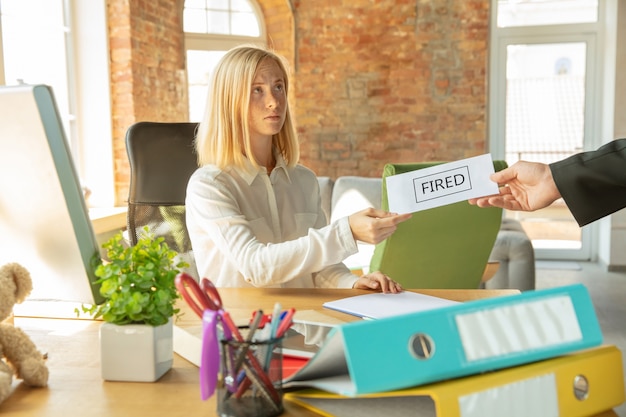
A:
x,y
464,339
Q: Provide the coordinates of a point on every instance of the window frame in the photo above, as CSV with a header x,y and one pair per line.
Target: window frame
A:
x,y
595,35
219,42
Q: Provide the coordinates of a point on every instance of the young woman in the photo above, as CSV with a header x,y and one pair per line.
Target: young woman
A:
x,y
253,213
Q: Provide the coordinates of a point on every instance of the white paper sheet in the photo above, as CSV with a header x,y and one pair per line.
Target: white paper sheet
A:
x,y
379,305
441,185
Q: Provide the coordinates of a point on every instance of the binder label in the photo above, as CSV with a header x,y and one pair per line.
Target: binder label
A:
x,y
518,327
530,397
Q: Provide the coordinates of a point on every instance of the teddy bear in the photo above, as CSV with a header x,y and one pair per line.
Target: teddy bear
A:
x,y
18,353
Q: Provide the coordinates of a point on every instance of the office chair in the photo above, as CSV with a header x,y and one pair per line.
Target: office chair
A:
x,y
162,158
443,247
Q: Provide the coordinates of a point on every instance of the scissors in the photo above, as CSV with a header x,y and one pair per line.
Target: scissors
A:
x,y
199,297
206,302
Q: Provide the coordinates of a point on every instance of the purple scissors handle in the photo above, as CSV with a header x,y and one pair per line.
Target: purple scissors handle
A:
x,y
210,358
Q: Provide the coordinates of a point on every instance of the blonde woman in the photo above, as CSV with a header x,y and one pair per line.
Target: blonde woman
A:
x,y
253,213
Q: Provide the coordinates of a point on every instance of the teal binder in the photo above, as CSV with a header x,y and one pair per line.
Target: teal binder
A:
x,y
464,339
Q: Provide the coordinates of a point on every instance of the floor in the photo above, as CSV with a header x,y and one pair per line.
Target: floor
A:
x,y
608,292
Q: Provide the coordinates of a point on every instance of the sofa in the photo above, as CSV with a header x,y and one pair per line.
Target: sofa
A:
x,y
512,249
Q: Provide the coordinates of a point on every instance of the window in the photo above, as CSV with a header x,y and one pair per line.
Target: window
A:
x,y
545,100
63,44
33,47
226,17
545,69
212,27
546,12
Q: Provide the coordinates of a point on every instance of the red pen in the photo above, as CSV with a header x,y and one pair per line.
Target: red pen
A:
x,y
265,318
286,322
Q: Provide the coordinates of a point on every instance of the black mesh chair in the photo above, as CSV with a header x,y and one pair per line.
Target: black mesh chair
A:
x,y
162,158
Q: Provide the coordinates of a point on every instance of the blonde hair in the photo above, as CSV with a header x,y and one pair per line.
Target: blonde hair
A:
x,y
223,137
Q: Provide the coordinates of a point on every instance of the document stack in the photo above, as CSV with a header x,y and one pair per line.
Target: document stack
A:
x,y
538,353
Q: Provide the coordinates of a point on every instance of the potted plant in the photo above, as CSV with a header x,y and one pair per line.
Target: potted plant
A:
x,y
137,284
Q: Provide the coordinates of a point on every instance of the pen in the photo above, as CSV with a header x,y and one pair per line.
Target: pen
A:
x,y
273,331
258,315
228,359
264,320
257,373
267,391
275,320
286,322
255,324
234,330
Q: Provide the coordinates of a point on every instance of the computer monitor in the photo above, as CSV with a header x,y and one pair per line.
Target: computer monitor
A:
x,y
44,221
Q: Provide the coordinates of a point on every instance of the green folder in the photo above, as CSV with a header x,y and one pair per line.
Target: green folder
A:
x,y
442,247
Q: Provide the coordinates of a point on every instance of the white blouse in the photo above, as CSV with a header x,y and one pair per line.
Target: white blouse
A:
x,y
251,229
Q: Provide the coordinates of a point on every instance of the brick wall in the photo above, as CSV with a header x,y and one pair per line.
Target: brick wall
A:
x,y
390,80
374,80
148,80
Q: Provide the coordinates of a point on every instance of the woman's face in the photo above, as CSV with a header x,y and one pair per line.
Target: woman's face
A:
x,y
268,101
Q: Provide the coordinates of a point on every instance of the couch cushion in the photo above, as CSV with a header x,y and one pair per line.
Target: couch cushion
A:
x,y
352,194
326,189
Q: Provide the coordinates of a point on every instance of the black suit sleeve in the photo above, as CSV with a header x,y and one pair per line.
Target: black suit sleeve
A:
x,y
593,184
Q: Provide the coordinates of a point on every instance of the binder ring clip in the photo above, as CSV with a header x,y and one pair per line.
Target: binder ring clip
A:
x,y
581,387
421,346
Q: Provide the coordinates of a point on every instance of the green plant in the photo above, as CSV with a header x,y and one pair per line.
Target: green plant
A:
x,y
137,282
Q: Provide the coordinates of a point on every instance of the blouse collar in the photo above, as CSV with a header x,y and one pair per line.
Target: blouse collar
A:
x,y
249,172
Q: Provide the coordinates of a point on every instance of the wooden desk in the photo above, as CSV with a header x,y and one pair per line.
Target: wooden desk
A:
x,y
76,388
106,220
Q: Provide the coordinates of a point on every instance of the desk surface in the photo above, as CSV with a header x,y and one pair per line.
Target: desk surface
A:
x,y
76,388
107,219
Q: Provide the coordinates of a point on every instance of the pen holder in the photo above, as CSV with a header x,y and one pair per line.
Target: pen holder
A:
x,y
250,377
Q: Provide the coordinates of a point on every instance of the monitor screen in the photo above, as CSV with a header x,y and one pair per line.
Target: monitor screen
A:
x,y
44,221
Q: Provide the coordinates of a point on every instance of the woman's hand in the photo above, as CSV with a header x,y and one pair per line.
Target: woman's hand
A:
x,y
373,226
377,281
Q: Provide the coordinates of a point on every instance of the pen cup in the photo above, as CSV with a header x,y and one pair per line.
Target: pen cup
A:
x,y
250,378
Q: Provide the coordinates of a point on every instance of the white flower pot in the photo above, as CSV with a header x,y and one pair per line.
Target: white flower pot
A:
x,y
136,352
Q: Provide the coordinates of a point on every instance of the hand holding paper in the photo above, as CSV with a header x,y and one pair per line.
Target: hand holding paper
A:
x,y
373,226
441,185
